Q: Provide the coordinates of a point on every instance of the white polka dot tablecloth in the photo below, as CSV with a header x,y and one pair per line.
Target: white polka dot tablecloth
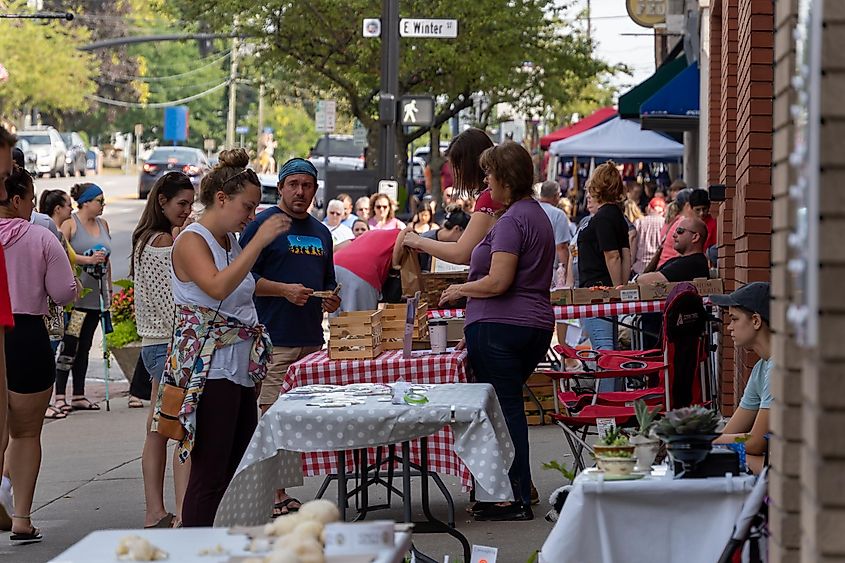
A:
x,y
272,459
422,367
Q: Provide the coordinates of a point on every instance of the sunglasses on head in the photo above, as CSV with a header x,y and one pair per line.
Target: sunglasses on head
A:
x,y
247,174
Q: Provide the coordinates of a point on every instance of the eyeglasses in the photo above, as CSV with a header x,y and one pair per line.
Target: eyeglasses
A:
x,y
100,200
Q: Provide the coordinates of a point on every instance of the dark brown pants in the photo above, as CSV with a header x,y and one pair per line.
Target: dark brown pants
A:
x,y
226,418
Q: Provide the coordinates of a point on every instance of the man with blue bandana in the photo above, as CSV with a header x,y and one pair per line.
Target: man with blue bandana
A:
x,y
287,273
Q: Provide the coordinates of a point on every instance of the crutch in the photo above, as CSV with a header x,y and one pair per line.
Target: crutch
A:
x,y
106,355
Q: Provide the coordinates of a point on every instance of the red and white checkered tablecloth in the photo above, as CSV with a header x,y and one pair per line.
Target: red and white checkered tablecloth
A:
x,y
566,312
423,367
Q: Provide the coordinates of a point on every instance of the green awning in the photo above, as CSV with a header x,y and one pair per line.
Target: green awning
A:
x,y
630,101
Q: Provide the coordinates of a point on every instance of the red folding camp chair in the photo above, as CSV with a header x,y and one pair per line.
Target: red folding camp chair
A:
x,y
684,324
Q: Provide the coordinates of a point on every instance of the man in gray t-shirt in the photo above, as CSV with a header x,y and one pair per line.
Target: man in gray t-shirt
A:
x,y
549,199
748,308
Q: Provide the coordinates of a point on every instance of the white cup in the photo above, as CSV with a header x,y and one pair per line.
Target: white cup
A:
x,y
437,334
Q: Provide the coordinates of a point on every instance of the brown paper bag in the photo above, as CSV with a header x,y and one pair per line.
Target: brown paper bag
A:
x,y
410,273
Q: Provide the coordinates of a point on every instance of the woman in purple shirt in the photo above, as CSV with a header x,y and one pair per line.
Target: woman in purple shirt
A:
x,y
509,316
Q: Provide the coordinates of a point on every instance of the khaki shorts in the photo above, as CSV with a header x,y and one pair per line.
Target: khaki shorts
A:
x,y
283,357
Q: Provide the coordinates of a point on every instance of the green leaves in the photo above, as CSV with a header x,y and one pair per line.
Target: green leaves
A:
x,y
687,421
555,465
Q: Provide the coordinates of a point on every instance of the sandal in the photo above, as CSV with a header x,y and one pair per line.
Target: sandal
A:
x,y
32,536
283,507
165,522
135,403
54,413
83,404
62,405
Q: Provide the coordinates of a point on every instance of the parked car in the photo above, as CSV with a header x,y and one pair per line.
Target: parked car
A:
x,y
76,153
189,160
343,154
424,152
49,148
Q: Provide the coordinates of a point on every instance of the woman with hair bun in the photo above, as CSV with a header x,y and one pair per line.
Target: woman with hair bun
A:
x,y
89,237
219,350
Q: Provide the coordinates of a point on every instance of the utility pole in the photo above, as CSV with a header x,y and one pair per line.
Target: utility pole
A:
x,y
260,116
589,22
233,93
389,88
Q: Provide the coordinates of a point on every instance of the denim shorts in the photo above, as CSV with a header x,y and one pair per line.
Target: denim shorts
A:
x,y
154,358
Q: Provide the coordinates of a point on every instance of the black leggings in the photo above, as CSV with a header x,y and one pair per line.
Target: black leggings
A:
x,y
227,414
77,349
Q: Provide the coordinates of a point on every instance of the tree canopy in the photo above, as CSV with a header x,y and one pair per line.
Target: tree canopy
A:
x,y
45,69
526,53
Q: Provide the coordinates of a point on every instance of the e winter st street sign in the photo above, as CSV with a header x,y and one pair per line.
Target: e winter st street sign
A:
x,y
443,29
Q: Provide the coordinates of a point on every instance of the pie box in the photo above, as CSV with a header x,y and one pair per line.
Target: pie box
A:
x,y
661,290
591,295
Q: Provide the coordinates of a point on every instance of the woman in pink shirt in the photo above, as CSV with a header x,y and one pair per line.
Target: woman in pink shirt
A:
x,y
37,268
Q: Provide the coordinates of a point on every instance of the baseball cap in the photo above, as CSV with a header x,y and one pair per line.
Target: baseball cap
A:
x,y
753,297
657,202
683,197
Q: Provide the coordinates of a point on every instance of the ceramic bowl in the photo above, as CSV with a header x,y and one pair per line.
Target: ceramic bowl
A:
x,y
616,465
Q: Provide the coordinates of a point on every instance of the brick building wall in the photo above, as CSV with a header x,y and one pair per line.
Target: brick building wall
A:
x,y
740,155
807,512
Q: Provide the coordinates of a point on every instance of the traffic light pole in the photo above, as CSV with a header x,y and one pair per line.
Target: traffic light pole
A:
x,y
389,88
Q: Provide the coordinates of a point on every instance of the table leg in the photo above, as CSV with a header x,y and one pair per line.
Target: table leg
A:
x,y
341,484
424,474
365,484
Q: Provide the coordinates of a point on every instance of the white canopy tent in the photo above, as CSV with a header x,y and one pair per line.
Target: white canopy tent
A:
x,y
619,139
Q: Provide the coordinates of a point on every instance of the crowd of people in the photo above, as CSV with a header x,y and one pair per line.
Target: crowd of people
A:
x,y
222,317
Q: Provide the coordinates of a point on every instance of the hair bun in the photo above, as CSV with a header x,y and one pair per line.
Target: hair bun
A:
x,y
234,158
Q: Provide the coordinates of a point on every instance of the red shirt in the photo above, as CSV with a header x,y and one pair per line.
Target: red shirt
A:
x,y
6,318
712,231
369,256
485,203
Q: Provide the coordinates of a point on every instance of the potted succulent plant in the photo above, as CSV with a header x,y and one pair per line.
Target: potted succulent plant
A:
x,y
688,433
646,444
614,454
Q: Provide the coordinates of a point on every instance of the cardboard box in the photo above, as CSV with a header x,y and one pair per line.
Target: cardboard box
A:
x,y
660,291
562,297
591,295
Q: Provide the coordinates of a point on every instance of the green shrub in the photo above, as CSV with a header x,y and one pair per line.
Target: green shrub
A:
x,y
124,333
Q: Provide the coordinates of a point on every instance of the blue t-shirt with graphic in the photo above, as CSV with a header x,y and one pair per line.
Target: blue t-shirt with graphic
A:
x,y
302,255
757,394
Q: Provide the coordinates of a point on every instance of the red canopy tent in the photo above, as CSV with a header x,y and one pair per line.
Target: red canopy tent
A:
x,y
596,118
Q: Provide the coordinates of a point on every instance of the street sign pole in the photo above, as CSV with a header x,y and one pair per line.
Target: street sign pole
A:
x,y
389,87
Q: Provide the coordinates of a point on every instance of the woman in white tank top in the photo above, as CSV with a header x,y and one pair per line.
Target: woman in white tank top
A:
x,y
211,273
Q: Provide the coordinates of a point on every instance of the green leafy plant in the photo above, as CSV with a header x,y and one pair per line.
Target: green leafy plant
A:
x,y
618,453
124,333
555,465
645,417
687,421
614,437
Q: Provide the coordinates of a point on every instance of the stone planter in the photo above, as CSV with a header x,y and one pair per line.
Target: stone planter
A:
x,y
127,357
645,450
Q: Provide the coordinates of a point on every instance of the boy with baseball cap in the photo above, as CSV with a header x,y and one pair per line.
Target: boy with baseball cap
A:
x,y
748,308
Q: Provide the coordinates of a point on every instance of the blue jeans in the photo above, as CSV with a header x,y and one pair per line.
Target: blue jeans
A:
x,y
600,332
154,358
505,356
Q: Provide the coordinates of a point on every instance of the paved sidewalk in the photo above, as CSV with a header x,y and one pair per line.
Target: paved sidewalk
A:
x,y
91,480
